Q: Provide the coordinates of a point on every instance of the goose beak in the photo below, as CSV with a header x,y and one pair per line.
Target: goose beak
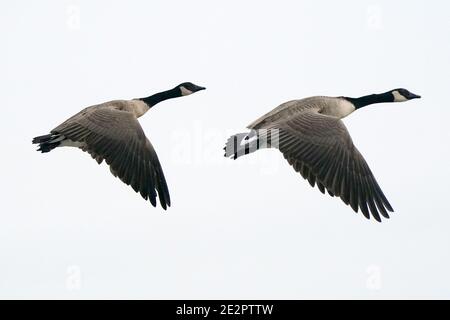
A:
x,y
414,96
203,88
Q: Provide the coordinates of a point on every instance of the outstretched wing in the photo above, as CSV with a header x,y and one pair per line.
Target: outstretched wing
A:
x,y
117,137
321,149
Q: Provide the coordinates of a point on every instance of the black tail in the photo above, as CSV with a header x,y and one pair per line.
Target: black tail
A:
x,y
48,142
244,143
234,147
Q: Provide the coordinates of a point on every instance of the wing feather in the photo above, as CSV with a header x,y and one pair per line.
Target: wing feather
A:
x,y
320,148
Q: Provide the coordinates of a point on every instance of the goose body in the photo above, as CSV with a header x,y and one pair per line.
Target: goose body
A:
x,y
313,139
110,131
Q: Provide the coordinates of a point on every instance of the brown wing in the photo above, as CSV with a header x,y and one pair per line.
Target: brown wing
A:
x,y
321,149
117,137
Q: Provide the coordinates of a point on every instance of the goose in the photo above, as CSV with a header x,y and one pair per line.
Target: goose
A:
x,y
110,131
313,139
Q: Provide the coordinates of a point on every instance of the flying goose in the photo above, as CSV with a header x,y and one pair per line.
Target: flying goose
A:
x,y
110,131
313,139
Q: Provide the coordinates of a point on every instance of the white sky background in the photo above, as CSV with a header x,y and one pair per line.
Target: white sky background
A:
x,y
251,228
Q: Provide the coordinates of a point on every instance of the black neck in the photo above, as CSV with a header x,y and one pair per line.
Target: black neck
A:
x,y
161,96
371,99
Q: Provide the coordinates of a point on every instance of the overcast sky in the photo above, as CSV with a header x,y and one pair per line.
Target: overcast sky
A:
x,y
251,228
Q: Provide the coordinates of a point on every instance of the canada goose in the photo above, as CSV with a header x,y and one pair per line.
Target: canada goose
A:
x,y
316,143
110,131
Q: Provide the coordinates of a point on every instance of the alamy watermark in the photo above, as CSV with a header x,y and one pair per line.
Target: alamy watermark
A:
x,y
374,279
374,17
73,278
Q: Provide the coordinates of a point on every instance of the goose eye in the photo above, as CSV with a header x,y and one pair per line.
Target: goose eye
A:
x,y
404,93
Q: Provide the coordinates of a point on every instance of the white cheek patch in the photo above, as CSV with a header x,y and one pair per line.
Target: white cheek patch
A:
x,y
185,92
398,97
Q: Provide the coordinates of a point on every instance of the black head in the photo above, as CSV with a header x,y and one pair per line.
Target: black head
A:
x,y
403,95
187,88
